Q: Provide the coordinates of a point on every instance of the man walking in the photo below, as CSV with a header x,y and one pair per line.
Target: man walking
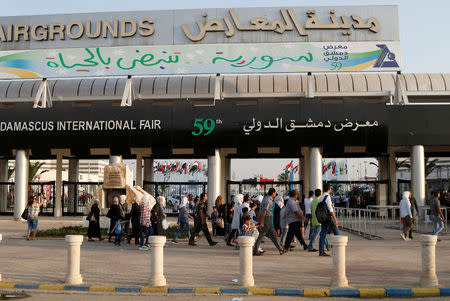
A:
x,y
201,222
294,218
436,214
308,202
331,224
265,223
315,225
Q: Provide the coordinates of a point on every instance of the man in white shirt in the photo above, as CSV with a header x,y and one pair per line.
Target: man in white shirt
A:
x,y
308,214
331,224
406,215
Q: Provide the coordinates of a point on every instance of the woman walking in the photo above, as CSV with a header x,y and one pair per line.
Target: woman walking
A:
x,y
33,213
183,219
157,216
94,222
114,214
135,215
221,210
236,222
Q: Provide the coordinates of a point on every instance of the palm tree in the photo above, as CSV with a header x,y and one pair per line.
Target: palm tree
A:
x,y
283,177
430,165
33,171
10,172
335,187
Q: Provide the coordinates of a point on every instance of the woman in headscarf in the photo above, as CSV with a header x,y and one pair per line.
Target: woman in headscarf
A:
x,y
114,214
135,215
276,213
236,222
94,223
221,210
183,219
146,226
406,215
157,216
126,217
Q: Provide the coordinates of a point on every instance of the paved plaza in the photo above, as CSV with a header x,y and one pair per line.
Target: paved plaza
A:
x,y
391,262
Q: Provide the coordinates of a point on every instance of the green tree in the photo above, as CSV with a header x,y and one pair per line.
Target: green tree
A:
x,y
10,173
335,187
33,171
283,177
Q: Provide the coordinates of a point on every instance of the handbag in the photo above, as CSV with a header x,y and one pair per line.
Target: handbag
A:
x,y
91,217
25,214
165,224
220,222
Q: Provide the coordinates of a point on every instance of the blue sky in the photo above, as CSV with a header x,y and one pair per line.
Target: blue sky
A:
x,y
423,24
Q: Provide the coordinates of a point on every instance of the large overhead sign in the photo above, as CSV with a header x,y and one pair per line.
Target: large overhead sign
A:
x,y
245,40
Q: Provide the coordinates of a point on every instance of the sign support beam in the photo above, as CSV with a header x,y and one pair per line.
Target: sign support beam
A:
x,y
43,97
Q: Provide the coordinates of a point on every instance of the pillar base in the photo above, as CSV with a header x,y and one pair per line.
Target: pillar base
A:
x,y
339,282
429,281
74,280
158,281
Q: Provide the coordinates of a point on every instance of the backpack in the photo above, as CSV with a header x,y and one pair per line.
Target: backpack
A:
x,y
322,213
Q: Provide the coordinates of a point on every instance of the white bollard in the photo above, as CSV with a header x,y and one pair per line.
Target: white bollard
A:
x,y
339,243
157,259
428,278
246,257
73,259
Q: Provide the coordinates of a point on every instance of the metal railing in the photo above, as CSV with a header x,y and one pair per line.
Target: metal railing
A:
x,y
364,222
422,223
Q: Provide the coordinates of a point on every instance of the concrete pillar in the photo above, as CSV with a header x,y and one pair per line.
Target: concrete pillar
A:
x,y
58,201
3,188
418,174
148,172
139,181
214,178
157,261
21,183
316,167
392,179
225,170
72,188
428,278
382,189
115,159
246,260
339,243
0,243
73,259
305,163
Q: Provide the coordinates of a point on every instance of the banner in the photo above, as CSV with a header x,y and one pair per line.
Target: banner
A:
x,y
201,59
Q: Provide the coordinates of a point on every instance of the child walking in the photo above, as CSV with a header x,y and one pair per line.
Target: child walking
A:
x,y
214,217
117,231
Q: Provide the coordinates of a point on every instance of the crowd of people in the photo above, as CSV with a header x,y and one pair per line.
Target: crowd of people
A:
x,y
143,220
279,218
409,211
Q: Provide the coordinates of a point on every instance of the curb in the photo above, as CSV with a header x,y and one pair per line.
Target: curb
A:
x,y
343,292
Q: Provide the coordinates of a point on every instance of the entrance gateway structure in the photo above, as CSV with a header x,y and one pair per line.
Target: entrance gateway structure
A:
x,y
305,82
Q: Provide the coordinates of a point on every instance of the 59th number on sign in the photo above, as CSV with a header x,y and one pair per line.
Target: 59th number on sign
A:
x,y
204,126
